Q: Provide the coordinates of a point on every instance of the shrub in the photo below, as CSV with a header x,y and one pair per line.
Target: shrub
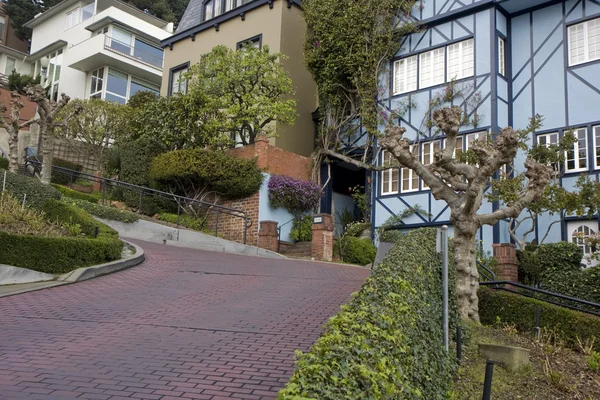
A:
x,y
356,229
100,211
386,343
37,192
302,229
357,251
24,220
190,172
520,311
64,178
186,221
560,256
74,194
295,195
4,163
529,267
58,255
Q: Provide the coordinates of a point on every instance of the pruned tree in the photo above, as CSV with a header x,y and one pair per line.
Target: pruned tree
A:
x,y
48,122
13,126
248,92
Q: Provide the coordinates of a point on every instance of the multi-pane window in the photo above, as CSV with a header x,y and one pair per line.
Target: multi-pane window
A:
x,y
405,75
427,155
584,42
410,180
10,65
87,11
72,18
548,139
432,67
579,237
597,146
51,74
229,5
179,84
471,137
389,177
252,42
501,56
116,86
97,83
576,156
461,60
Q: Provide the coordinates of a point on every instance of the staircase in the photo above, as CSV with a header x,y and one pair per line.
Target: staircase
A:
x,y
300,250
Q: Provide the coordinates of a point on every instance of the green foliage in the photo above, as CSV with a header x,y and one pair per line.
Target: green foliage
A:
x,y
302,229
560,256
74,194
248,92
355,229
16,219
187,221
37,192
593,361
191,172
386,343
357,251
519,310
361,199
529,266
4,163
64,177
110,213
112,162
389,231
18,82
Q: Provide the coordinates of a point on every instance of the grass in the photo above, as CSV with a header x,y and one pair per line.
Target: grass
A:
x,y
555,372
20,220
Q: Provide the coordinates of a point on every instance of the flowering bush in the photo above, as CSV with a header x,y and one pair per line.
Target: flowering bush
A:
x,y
296,195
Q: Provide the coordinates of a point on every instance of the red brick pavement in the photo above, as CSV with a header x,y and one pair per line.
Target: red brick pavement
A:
x,y
186,324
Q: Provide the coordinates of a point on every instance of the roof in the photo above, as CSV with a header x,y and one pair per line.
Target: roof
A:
x,y
192,15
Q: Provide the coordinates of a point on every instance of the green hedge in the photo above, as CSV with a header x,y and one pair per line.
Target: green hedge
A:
x,y
64,178
57,255
37,192
357,251
4,163
510,308
100,211
386,343
74,194
185,220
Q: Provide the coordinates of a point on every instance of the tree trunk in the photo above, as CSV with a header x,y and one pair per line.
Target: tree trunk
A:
x,y
13,152
467,275
47,150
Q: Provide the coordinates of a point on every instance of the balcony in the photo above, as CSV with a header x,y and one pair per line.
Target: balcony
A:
x,y
102,50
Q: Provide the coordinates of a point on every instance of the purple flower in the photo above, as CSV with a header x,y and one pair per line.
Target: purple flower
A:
x,y
296,195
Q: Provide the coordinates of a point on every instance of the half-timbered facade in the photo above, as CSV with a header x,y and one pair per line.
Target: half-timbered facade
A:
x,y
511,60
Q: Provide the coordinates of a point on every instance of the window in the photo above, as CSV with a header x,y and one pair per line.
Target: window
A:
x,y
461,60
576,157
10,65
584,42
52,73
410,180
471,137
255,42
547,139
179,84
597,146
405,75
138,85
218,7
432,68
208,10
389,178
427,155
580,233
229,5
121,41
97,83
501,56
2,24
87,12
148,53
72,18
116,86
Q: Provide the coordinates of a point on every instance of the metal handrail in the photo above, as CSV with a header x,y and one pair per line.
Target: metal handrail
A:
x,y
152,192
492,275
132,52
279,233
497,285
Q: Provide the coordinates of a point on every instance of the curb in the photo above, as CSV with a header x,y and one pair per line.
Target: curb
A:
x,y
83,274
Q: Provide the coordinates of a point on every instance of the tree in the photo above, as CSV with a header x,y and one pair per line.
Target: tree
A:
x,y
22,11
248,91
93,128
48,121
19,82
13,126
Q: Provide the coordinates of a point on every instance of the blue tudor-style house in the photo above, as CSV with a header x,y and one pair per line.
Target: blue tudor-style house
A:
x,y
514,59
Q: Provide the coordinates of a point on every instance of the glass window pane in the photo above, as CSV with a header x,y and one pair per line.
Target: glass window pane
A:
x,y
117,82
137,86
148,53
10,65
113,98
87,11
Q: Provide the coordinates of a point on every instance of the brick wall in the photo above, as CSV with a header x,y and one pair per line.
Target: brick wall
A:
x,y
275,160
231,227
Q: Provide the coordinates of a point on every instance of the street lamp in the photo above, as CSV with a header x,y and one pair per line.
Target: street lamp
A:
x,y
44,62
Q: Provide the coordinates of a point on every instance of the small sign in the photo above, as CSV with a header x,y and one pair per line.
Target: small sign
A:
x,y
318,220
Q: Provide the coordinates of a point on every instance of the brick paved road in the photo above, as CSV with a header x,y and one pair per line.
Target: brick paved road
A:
x,y
185,324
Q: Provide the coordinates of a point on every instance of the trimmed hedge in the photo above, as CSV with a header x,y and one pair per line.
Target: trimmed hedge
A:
x,y
74,194
4,163
185,220
386,343
520,311
57,255
37,192
357,251
64,178
100,211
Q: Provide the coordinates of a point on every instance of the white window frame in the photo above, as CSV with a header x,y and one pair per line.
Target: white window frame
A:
x,y
72,18
596,135
432,64
402,67
586,50
426,162
14,62
389,174
546,136
574,226
576,152
412,186
462,68
180,81
502,56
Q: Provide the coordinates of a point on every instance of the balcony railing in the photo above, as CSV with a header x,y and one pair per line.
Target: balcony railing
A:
x,y
132,52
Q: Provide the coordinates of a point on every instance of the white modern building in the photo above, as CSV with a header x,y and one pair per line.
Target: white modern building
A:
x,y
98,48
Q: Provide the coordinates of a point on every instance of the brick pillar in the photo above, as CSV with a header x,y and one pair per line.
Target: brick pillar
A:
x,y
261,151
322,238
267,236
508,264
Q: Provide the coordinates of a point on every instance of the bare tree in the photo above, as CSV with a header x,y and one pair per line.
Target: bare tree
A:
x,y
13,126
